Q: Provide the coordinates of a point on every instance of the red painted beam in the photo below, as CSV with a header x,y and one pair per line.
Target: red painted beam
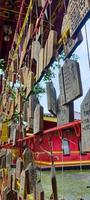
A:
x,y
44,133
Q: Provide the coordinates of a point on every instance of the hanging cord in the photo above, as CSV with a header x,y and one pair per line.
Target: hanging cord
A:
x,y
42,33
65,8
87,43
62,170
81,173
50,12
61,138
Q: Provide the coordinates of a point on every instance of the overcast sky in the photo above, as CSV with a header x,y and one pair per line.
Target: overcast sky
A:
x,y
81,51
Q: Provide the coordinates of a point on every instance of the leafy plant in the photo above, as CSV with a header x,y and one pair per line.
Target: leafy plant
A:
x,y
38,89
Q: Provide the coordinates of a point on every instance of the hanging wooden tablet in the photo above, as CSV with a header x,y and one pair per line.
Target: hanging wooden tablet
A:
x,y
72,80
52,42
54,183
85,123
65,29
3,162
24,74
28,185
30,82
8,159
25,110
65,113
22,191
45,54
39,191
33,101
13,181
5,130
27,157
79,11
27,38
20,103
11,130
19,167
11,111
10,178
35,50
4,100
38,119
61,86
32,176
51,98
40,3
23,131
41,61
14,136
72,44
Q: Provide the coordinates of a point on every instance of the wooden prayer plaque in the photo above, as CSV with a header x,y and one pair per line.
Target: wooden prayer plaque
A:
x,y
30,82
41,61
27,38
72,44
32,176
35,50
78,11
52,42
19,167
8,159
27,157
85,123
10,178
51,98
72,80
39,191
33,101
38,119
23,184
65,113
13,181
3,162
24,74
61,86
5,131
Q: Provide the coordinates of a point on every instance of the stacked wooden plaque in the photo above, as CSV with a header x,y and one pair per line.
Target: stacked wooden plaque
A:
x,y
78,12
19,180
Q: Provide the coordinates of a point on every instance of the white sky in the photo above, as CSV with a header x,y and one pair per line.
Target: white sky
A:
x,y
81,51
